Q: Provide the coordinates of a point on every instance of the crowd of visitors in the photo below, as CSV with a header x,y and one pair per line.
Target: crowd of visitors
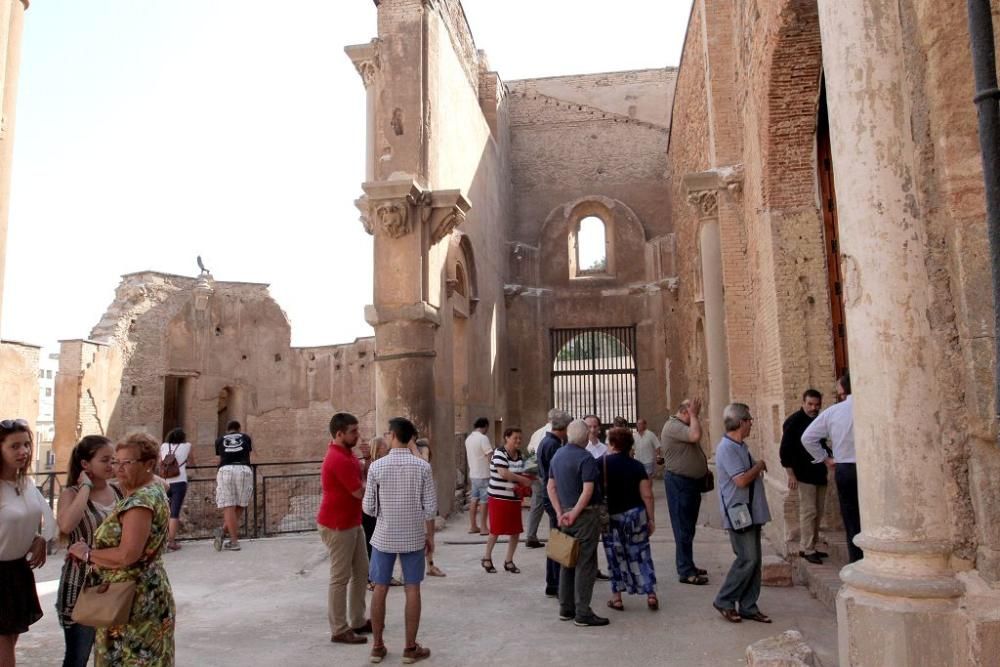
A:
x,y
120,507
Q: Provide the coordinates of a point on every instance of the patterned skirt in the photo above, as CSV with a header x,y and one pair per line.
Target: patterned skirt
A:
x,y
630,561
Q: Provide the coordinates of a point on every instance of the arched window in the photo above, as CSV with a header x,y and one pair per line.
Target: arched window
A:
x,y
591,246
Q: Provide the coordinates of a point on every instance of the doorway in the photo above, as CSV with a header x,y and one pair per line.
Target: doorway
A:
x,y
828,204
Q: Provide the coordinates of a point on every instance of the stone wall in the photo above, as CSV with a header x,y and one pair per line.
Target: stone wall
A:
x,y
177,351
19,381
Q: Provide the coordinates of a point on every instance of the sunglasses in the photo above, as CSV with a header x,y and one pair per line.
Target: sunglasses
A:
x,y
8,424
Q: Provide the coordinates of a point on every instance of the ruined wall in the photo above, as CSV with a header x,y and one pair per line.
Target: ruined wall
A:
x,y
589,145
11,28
19,381
228,345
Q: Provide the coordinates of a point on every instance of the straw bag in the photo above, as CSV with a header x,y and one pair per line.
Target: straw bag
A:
x,y
105,604
562,548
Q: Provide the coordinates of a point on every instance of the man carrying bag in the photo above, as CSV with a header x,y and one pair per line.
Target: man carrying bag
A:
x,y
575,493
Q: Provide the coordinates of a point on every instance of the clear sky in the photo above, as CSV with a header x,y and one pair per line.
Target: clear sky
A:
x,y
151,131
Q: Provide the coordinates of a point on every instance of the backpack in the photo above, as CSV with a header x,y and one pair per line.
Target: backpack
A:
x,y
169,467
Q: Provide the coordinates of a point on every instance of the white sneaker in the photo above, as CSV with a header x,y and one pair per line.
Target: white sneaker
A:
x,y
229,546
217,539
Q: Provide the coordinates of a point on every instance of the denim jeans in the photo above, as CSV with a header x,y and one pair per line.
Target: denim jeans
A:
x,y
742,584
79,645
684,503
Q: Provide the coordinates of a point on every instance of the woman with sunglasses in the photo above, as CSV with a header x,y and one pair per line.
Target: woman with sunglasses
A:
x,y
23,510
129,546
86,500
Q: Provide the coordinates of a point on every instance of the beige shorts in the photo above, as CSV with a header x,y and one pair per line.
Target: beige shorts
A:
x,y
233,486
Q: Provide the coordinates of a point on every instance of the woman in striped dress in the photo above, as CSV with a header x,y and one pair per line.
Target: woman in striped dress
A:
x,y
85,502
503,500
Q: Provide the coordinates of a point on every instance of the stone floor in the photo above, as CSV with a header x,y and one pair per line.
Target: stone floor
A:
x,y
266,605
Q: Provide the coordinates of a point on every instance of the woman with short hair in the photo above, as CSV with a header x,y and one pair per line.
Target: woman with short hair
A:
x,y
129,546
629,495
504,501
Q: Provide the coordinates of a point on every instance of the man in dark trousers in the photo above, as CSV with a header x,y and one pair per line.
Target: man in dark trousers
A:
x,y
805,477
547,448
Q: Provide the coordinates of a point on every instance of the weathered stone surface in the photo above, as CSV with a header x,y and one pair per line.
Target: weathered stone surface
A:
x,y
785,650
776,571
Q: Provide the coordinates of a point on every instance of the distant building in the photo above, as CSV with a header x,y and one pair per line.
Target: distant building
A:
x,y
45,426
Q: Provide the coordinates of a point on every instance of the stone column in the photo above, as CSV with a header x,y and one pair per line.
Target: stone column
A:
x,y
406,222
367,61
899,605
11,26
703,194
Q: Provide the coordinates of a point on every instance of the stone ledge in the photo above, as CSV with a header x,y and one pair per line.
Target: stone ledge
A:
x,y
785,650
776,571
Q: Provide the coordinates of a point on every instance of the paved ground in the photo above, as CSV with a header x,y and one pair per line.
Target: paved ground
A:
x,y
266,606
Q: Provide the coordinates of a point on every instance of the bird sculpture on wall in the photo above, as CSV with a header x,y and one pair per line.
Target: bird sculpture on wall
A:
x,y
201,265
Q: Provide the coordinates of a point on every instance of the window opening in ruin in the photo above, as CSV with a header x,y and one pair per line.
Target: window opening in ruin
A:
x,y
460,280
460,374
828,203
594,371
174,402
591,246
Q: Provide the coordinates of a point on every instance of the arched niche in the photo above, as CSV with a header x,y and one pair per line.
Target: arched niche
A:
x,y
624,242
461,281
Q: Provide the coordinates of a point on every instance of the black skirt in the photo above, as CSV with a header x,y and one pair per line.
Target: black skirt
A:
x,y
19,606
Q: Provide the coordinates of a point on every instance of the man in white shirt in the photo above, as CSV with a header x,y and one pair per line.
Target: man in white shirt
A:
x,y
478,452
647,446
836,425
596,448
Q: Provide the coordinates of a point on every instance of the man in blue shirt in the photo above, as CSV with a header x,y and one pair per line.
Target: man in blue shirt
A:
x,y
741,482
547,448
575,491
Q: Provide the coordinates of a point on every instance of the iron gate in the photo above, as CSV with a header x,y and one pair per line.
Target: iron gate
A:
x,y
594,372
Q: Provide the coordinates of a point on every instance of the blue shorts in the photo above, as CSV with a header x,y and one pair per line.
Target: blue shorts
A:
x,y
381,565
479,489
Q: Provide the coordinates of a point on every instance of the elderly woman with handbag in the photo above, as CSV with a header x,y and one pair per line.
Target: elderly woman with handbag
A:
x,y
629,495
127,554
507,488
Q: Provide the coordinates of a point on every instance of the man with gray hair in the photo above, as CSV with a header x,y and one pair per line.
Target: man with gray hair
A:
x,y
547,449
575,492
744,512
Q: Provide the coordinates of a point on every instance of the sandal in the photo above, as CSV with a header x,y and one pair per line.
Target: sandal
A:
x,y
173,546
487,565
730,615
617,605
434,571
473,531
695,580
652,602
371,586
510,567
395,582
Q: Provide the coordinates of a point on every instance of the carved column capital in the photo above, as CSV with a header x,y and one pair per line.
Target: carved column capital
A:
x,y
397,207
367,60
706,202
703,188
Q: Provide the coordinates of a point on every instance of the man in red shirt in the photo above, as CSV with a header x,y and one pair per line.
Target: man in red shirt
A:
x,y
339,521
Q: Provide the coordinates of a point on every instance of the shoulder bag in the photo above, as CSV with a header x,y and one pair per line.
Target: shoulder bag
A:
x,y
562,548
169,467
740,518
708,481
104,605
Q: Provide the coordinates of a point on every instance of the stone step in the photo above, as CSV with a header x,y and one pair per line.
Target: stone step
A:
x,y
823,581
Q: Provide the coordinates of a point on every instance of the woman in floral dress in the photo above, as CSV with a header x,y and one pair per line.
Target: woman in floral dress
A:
x,y
129,546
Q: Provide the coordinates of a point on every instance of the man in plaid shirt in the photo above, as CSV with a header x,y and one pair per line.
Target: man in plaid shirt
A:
x,y
400,494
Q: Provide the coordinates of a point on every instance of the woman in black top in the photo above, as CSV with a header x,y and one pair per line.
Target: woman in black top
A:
x,y
629,495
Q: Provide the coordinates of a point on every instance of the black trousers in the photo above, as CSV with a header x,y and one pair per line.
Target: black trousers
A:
x,y
846,477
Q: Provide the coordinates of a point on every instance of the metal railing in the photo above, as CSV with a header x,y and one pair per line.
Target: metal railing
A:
x,y
285,499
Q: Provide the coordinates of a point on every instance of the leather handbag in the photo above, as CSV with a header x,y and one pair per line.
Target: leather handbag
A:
x,y
707,482
562,548
105,604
